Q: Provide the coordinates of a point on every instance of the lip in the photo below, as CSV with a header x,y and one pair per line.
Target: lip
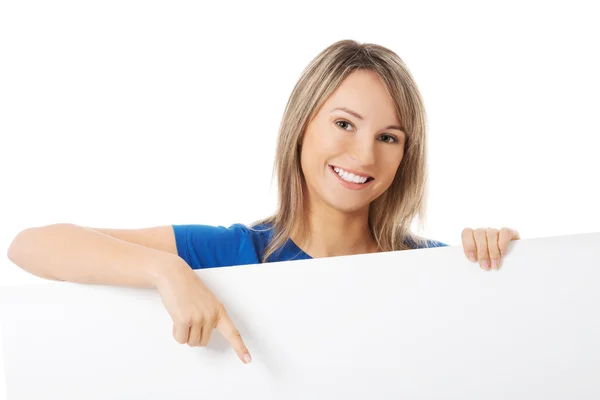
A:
x,y
349,185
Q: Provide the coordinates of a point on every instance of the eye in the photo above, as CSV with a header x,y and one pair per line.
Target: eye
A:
x,y
390,137
343,122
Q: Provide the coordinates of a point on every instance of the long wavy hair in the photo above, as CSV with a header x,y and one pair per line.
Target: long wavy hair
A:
x,y
391,214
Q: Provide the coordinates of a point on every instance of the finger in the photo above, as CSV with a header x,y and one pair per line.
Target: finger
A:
x,y
206,333
482,248
493,250
181,332
230,332
469,244
505,236
195,334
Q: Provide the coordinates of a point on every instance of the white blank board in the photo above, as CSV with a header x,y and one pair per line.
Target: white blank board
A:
x,y
418,324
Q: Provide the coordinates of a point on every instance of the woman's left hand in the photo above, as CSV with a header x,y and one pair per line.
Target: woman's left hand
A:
x,y
487,246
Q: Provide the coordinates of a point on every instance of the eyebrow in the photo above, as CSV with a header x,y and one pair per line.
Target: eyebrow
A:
x,y
357,115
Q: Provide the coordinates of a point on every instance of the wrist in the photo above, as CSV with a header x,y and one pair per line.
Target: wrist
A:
x,y
164,267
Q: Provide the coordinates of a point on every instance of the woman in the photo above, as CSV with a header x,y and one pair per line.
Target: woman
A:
x,y
351,169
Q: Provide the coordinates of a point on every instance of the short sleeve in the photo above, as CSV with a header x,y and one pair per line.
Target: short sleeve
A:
x,y
430,243
207,246
435,243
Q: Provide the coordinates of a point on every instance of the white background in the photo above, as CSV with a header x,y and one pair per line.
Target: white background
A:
x,y
124,114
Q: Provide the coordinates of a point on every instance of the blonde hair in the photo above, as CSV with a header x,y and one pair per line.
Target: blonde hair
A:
x,y
391,214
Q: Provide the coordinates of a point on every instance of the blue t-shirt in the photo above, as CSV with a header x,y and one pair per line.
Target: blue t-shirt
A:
x,y
207,246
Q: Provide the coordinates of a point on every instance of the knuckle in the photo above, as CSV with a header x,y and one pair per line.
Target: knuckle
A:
x,y
183,319
221,314
211,317
466,232
492,239
479,232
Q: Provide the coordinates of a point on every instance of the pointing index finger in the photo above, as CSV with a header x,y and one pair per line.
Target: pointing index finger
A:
x,y
233,336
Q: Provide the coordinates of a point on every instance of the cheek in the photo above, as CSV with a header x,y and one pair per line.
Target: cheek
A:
x,y
308,158
390,165
330,142
310,164
318,149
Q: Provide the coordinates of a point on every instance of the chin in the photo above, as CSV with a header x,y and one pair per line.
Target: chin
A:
x,y
348,207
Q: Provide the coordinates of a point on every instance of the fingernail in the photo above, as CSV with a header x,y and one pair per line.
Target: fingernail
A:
x,y
495,263
472,257
247,358
485,264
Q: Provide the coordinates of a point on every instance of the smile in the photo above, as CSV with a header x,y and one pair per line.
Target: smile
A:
x,y
350,180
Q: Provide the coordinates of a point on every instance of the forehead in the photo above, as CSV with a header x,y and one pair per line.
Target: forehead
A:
x,y
364,92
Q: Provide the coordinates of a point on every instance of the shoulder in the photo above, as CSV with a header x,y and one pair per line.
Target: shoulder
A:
x,y
197,233
423,243
208,246
435,243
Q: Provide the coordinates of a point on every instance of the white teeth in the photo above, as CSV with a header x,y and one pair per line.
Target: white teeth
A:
x,y
350,177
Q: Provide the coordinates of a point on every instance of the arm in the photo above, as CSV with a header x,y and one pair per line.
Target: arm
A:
x,y
131,257
68,252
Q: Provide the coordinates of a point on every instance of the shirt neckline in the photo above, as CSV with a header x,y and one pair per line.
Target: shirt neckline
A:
x,y
297,248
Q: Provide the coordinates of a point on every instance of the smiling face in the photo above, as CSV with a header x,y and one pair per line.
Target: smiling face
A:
x,y
356,130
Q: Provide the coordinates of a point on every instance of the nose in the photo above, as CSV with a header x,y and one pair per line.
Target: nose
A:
x,y
363,151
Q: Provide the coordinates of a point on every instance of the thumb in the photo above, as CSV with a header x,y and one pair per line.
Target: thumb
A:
x,y
230,332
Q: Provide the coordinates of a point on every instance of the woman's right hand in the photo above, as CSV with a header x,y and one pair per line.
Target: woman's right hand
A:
x,y
196,311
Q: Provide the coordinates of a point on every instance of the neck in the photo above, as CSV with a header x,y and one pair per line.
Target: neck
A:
x,y
331,233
